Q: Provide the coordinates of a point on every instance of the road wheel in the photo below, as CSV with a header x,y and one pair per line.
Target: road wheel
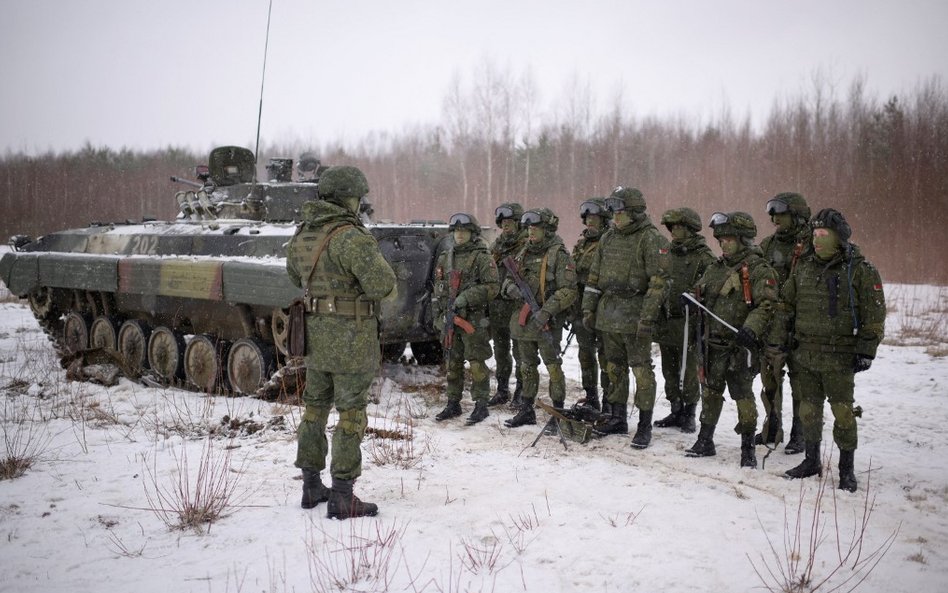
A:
x,y
204,360
166,353
133,344
76,332
249,365
104,333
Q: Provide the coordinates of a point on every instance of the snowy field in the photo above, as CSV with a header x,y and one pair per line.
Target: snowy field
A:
x,y
462,508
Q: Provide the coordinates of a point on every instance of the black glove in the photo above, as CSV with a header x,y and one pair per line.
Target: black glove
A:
x,y
512,292
862,363
747,338
541,318
589,320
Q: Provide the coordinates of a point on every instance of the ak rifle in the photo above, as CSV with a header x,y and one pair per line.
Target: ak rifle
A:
x,y
530,302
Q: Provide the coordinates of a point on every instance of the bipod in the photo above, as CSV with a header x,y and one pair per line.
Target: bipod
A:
x,y
553,425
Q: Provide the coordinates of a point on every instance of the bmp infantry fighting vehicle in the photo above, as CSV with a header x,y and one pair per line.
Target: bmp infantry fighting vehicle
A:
x,y
204,297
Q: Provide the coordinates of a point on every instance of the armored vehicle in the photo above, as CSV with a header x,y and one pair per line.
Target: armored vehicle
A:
x,y
204,298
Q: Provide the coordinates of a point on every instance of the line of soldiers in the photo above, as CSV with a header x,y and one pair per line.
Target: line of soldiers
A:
x,y
805,300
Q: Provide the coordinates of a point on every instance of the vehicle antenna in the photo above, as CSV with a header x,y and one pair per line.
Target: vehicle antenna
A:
x,y
263,77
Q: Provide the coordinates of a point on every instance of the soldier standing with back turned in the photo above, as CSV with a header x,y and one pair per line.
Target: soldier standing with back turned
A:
x,y
337,262
838,322
624,292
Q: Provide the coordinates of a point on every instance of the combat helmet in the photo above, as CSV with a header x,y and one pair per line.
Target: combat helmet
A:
x,y
542,217
683,216
341,182
465,221
595,206
626,198
828,218
735,224
506,211
791,202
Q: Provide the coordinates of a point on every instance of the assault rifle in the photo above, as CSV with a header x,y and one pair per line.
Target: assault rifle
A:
x,y
451,318
530,302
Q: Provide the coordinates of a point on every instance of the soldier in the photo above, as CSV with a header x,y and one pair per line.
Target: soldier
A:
x,y
624,292
740,289
510,241
791,215
839,312
689,257
337,262
466,272
595,218
546,266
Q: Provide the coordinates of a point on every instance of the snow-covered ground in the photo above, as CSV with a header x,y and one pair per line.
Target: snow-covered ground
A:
x,y
462,508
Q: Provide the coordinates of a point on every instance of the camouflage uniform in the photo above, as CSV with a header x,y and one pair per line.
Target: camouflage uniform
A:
x,y
502,307
343,292
622,299
548,269
590,346
838,321
782,250
732,359
478,287
689,257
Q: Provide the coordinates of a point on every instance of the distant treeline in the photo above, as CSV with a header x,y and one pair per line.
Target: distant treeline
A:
x,y
883,163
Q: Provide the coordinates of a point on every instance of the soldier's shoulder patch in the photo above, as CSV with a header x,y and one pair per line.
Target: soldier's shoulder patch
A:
x,y
877,287
771,282
439,273
663,250
570,266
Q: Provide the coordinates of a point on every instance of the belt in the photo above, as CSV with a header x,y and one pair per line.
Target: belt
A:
x,y
343,307
830,348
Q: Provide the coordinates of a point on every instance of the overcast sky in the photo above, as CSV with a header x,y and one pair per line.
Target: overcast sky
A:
x,y
149,74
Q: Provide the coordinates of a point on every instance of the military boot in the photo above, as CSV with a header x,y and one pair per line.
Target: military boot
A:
x,y
480,412
768,432
516,402
615,423
795,444
748,454
501,397
606,406
847,477
451,410
592,398
314,491
526,415
643,432
343,504
688,418
674,418
704,446
810,466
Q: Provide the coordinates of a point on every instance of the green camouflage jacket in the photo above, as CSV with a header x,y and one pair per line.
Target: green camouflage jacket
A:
x,y
504,246
837,306
350,267
783,250
628,277
559,286
721,289
583,253
687,261
479,283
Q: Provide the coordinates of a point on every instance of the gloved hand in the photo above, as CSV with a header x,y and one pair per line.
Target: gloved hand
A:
x,y
460,302
512,292
541,318
862,363
644,330
747,338
683,300
589,320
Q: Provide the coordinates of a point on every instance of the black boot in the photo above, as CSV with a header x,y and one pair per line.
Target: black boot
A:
x,y
748,454
526,415
704,446
643,432
314,491
769,430
343,504
592,398
615,423
795,444
451,410
810,466
501,397
480,412
516,402
606,406
847,477
688,418
674,418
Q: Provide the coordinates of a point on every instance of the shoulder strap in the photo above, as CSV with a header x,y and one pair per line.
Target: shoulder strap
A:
x,y
319,254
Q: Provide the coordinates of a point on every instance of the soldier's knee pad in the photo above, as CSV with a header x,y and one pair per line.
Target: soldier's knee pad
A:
x,y
843,415
318,415
644,376
556,372
479,370
353,422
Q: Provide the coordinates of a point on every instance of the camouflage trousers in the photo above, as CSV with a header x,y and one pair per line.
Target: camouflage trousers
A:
x,y
772,364
818,377
671,371
530,354
623,351
505,355
349,394
728,368
592,358
476,349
